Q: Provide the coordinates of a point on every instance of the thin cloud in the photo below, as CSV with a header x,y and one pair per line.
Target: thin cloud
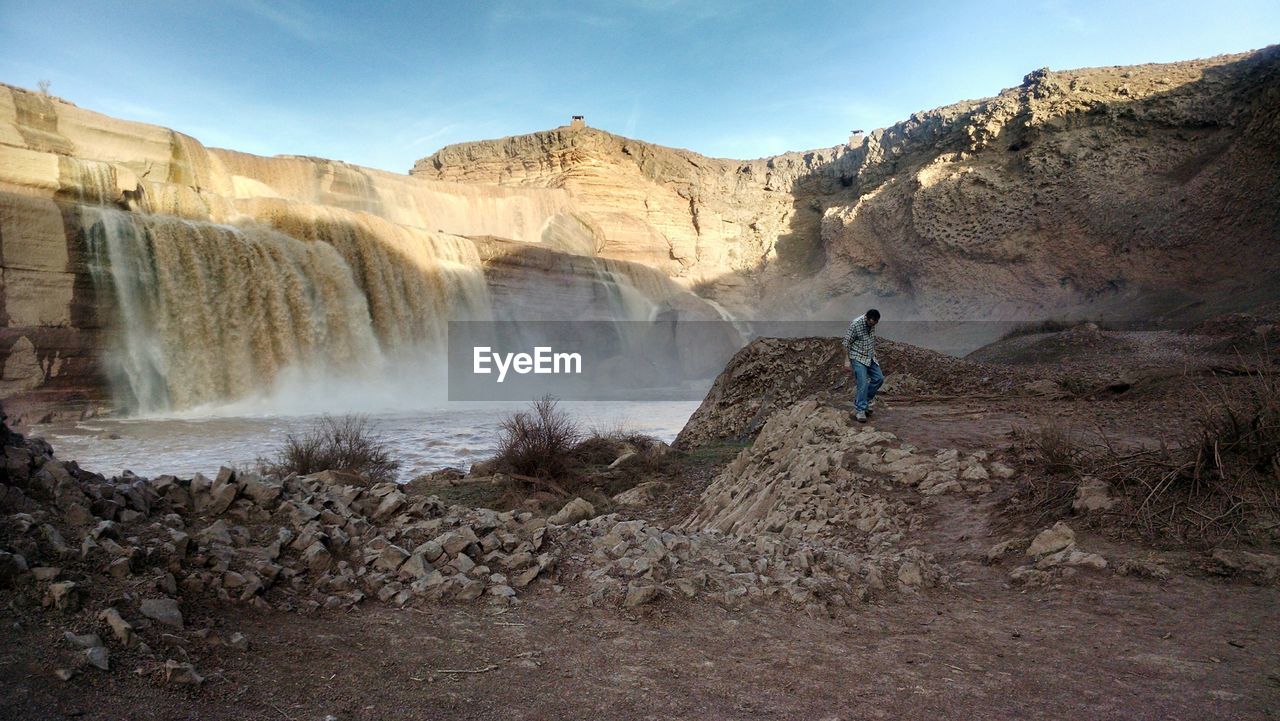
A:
x,y
432,135
503,13
287,15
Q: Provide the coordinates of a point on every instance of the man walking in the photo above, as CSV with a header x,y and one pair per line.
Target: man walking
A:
x,y
860,343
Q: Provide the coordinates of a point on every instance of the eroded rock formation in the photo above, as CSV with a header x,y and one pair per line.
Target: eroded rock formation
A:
x,y
146,271
1122,191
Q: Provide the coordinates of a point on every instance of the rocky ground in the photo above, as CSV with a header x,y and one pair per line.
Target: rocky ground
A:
x,y
797,565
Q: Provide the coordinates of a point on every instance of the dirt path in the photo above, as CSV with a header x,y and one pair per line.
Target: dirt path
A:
x,y
1104,648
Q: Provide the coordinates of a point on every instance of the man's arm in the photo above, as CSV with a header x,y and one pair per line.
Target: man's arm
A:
x,y
857,329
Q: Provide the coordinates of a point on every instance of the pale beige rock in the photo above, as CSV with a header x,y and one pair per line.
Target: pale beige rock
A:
x,y
574,511
1052,539
1093,494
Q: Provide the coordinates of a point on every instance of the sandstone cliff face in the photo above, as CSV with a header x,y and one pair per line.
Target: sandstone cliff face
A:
x,y
1121,192
1114,192
144,270
693,217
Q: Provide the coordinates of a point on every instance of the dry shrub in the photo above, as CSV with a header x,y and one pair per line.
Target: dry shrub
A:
x,y
603,444
551,460
1219,485
345,444
1060,455
539,443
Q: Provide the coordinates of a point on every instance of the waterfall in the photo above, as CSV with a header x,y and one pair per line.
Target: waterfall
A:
x,y
623,300
415,281
209,313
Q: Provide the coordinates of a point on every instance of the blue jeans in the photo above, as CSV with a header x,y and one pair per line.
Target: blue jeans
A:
x,y
869,381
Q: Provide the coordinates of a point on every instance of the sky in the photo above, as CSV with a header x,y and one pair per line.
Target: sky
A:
x,y
383,83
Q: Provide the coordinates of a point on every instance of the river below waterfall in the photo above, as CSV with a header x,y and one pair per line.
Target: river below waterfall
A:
x,y
455,434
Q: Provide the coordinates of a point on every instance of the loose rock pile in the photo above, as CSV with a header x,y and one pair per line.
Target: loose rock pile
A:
x,y
807,475
818,512
1052,554
128,556
797,515
770,375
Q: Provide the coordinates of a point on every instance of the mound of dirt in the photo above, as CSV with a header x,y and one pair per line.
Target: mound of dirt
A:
x,y
1051,347
770,374
1244,334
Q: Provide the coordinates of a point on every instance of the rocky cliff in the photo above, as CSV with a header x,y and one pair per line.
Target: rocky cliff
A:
x,y
143,270
691,216
1123,191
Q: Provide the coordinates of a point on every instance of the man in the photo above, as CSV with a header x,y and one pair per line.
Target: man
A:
x,y
860,343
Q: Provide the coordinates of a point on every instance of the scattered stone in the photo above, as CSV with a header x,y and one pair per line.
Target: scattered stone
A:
x,y
1092,494
120,628
391,558
1004,547
1000,470
66,596
12,567
181,674
1072,557
98,657
1052,539
1265,566
45,573
623,459
576,510
86,641
909,575
641,494
638,595
162,610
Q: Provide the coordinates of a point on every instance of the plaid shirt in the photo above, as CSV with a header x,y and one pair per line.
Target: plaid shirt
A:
x,y
860,341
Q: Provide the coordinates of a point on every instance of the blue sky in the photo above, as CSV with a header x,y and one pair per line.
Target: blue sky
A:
x,y
384,83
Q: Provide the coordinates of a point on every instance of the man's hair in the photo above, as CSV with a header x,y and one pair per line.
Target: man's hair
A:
x,y
873,314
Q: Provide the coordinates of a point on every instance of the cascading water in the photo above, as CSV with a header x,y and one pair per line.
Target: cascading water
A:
x,y
210,313
625,301
255,317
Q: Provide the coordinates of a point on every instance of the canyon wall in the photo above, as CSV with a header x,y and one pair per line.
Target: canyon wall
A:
x,y
141,269
144,271
1121,192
